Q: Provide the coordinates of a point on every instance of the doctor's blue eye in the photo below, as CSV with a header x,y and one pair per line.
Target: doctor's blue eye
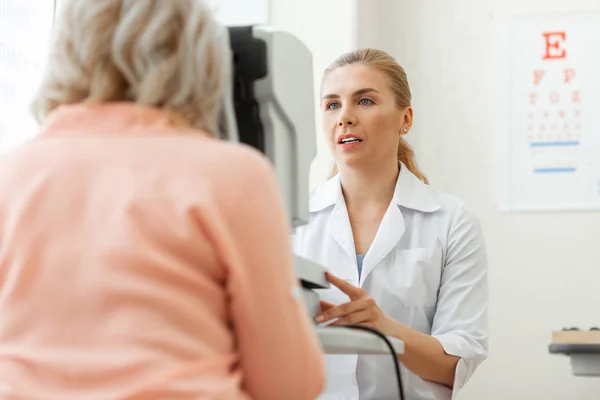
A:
x,y
333,106
365,102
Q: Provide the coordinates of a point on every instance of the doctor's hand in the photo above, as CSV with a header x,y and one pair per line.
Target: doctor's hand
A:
x,y
360,310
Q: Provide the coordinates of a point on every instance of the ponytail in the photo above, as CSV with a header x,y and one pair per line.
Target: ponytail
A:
x,y
406,155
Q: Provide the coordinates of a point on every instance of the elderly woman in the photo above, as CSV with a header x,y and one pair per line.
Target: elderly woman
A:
x,y
141,258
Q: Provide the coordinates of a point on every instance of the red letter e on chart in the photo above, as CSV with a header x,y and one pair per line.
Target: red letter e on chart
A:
x,y
553,42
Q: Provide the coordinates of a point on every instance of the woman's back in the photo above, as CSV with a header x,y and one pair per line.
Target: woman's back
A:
x,y
141,261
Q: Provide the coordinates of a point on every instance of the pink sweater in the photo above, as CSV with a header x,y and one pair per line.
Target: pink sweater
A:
x,y
142,261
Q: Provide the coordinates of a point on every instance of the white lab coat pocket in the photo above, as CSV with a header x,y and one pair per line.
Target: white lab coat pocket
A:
x,y
417,275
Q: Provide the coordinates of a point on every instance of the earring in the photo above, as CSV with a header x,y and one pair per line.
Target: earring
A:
x,y
405,130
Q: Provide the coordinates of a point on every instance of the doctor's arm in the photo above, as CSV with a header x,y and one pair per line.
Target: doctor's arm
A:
x,y
423,354
458,341
459,337
279,353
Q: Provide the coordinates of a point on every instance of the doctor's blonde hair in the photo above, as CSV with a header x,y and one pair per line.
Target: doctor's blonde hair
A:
x,y
398,81
168,54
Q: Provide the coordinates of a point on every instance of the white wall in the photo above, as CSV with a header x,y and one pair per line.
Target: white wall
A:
x,y
241,12
544,269
24,30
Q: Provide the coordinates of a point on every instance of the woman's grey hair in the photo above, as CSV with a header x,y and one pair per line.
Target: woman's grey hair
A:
x,y
170,54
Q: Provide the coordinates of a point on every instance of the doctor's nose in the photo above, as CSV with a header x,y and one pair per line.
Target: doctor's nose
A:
x,y
346,120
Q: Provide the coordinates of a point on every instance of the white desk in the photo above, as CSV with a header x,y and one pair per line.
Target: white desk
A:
x,y
352,341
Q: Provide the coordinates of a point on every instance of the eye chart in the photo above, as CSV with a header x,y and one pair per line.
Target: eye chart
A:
x,y
555,112
25,27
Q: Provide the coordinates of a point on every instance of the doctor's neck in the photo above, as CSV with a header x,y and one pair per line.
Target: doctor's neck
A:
x,y
362,186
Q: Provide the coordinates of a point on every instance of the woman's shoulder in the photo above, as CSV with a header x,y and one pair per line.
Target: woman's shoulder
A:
x,y
228,160
223,148
246,160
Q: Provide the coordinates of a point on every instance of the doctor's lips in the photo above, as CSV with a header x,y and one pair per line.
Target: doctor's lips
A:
x,y
349,141
348,138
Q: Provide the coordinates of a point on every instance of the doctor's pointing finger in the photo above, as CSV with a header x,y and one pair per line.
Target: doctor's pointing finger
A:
x,y
360,310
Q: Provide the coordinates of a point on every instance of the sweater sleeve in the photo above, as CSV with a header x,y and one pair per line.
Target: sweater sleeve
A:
x,y
280,354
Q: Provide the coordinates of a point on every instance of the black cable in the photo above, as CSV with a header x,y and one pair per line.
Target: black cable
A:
x,y
389,345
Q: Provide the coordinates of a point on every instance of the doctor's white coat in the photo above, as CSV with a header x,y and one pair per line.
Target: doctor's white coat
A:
x,y
426,268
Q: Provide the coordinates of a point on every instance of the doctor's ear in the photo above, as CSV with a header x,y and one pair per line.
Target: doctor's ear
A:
x,y
407,119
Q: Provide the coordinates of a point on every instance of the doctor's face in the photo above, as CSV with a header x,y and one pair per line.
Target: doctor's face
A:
x,y
361,120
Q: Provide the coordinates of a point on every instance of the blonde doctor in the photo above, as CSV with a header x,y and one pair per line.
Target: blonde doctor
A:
x,y
403,257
